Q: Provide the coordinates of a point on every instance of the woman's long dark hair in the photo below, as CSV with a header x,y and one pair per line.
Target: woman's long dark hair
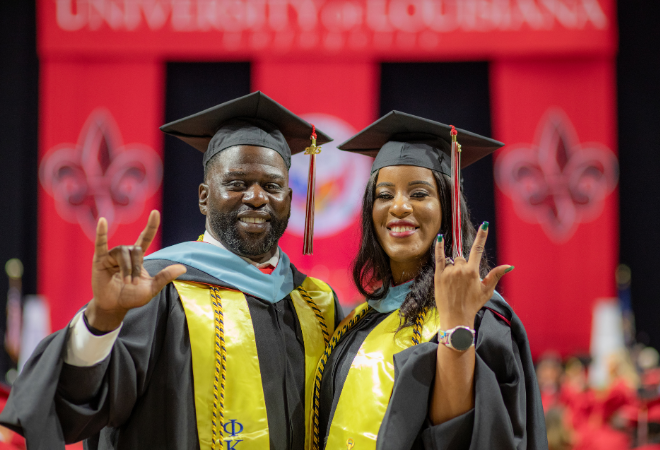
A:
x,y
371,269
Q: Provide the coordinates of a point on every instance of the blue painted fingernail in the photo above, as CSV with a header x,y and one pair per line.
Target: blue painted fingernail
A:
x,y
484,226
440,237
509,269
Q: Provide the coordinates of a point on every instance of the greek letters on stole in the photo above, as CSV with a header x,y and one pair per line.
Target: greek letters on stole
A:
x,y
245,418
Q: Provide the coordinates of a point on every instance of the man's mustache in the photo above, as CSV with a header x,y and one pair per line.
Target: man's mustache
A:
x,y
262,209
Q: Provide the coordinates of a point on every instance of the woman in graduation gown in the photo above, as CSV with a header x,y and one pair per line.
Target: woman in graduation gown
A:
x,y
385,380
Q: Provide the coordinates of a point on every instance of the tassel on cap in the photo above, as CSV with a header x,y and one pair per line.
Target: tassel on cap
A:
x,y
312,151
457,238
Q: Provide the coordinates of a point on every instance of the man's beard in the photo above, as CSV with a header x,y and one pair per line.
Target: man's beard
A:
x,y
225,227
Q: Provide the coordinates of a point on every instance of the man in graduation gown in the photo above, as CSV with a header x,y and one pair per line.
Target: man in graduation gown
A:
x,y
209,344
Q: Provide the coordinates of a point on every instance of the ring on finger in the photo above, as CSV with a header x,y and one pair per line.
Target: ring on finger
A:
x,y
448,260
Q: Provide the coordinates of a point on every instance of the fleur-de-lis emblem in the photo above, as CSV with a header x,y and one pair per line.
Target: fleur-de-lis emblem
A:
x,y
557,182
99,176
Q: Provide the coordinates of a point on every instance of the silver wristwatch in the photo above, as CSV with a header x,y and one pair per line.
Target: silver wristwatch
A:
x,y
459,338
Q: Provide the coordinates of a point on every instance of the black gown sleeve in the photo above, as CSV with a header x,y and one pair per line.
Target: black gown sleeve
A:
x,y
52,402
508,413
81,384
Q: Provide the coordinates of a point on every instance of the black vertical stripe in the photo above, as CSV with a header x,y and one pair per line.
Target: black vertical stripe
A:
x,y
19,83
192,87
456,94
638,99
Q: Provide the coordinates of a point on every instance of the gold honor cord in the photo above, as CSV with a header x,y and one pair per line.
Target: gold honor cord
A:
x,y
339,333
417,328
220,370
317,312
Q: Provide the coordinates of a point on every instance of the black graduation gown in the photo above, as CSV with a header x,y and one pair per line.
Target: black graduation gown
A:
x,y
508,413
141,395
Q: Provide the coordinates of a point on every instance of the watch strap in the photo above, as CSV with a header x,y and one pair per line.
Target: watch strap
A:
x,y
444,337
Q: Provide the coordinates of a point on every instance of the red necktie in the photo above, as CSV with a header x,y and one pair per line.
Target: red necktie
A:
x,y
267,269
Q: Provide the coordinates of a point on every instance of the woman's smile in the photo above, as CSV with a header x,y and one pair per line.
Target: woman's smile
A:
x,y
402,228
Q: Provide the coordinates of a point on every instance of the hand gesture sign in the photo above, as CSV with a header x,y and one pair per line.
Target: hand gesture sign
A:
x,y
459,291
459,295
119,280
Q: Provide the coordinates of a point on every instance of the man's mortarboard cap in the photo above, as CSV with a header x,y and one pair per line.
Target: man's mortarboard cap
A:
x,y
254,119
400,139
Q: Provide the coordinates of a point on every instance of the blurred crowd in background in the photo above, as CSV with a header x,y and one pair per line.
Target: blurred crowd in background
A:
x,y
608,399
621,414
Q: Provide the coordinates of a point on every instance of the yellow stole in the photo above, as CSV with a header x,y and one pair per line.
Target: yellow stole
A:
x,y
368,387
244,418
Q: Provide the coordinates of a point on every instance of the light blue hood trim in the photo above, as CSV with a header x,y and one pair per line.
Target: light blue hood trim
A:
x,y
232,269
393,300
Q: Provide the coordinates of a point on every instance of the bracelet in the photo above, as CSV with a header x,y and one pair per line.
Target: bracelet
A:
x,y
91,329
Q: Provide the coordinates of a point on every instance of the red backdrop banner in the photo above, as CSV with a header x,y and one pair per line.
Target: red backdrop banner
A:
x,y
557,210
401,29
100,157
553,96
321,93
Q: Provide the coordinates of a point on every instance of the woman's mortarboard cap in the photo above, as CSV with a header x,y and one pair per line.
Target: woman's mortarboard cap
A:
x,y
254,119
399,139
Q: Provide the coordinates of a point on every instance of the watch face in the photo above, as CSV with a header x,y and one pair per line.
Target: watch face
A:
x,y
461,339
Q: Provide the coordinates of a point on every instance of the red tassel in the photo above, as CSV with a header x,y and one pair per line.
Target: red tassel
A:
x,y
312,151
457,238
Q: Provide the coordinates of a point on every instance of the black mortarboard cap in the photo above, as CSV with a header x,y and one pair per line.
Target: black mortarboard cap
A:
x,y
400,139
254,119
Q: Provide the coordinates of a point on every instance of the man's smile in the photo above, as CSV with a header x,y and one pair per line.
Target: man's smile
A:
x,y
252,220
255,222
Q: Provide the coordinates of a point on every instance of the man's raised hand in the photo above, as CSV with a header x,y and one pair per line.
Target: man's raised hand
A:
x,y
119,280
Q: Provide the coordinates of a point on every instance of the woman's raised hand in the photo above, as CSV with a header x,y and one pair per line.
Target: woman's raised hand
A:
x,y
459,291
119,280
